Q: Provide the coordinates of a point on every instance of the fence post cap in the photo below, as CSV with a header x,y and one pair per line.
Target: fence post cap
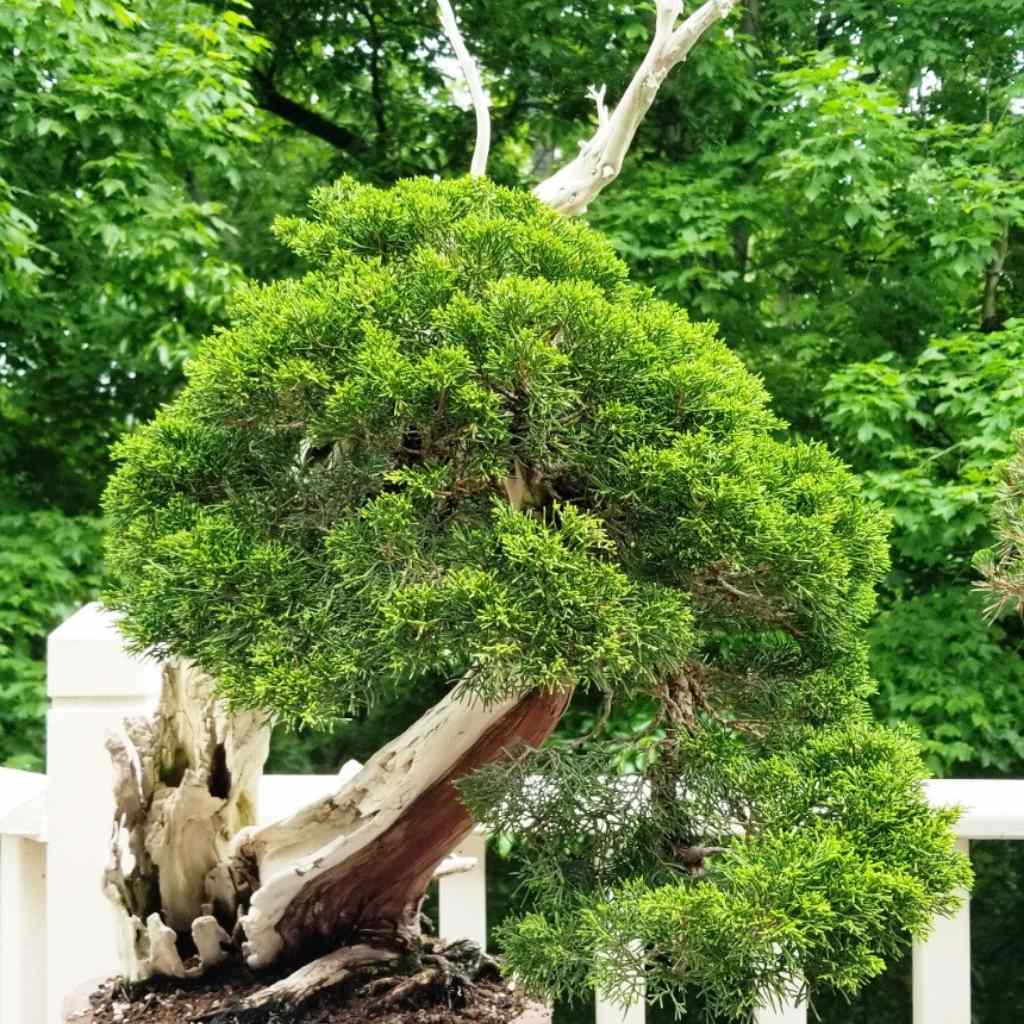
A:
x,y
22,804
86,657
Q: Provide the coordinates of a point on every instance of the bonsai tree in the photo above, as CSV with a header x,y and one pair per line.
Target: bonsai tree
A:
x,y
465,450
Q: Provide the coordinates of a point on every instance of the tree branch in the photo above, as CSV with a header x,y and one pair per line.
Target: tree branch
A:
x,y
573,187
990,319
302,117
478,165
376,87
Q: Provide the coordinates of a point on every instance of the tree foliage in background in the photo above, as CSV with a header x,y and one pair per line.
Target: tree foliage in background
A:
x,y
48,565
930,437
838,186
118,127
121,130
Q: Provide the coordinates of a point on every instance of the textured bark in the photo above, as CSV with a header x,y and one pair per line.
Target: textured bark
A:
x,y
190,873
359,861
310,121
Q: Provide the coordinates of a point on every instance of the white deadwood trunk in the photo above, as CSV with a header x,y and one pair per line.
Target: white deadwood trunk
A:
x,y
185,783
193,876
360,860
481,107
570,189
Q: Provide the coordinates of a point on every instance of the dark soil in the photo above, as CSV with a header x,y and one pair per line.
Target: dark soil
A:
x,y
170,1001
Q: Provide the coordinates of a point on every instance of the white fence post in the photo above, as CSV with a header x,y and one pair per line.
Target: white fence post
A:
x,y
93,685
462,897
785,1013
942,967
23,949
610,1013
22,897
607,1012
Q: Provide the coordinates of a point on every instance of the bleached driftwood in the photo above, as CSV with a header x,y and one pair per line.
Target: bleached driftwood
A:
x,y
164,957
481,106
570,189
210,940
186,781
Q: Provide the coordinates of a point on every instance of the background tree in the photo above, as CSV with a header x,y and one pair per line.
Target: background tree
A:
x,y
118,129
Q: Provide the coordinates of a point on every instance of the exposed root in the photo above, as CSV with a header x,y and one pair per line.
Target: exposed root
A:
x,y
441,975
379,986
425,981
449,975
298,988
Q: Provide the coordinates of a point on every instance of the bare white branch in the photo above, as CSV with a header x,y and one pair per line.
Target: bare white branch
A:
x,y
481,106
570,189
597,94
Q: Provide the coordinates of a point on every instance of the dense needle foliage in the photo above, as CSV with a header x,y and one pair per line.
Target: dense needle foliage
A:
x,y
463,446
1003,564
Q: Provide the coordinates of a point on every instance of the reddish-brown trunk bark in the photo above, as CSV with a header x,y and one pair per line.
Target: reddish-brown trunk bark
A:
x,y
380,888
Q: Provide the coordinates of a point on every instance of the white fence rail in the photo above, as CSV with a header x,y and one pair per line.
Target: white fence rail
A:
x,y
54,831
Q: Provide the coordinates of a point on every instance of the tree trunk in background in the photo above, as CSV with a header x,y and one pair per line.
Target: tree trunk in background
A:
x,y
990,317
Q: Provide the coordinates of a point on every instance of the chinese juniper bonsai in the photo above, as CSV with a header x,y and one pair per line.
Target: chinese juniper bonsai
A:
x,y
465,446
465,449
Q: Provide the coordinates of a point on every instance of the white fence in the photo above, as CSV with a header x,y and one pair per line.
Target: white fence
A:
x,y
56,928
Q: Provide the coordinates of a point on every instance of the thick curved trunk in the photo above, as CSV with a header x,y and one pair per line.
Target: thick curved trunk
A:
x,y
192,875
359,861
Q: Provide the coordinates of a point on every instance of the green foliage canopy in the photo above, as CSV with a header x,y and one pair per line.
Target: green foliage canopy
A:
x,y
464,446
456,354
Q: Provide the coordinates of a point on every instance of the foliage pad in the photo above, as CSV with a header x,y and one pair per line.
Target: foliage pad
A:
x,y
465,447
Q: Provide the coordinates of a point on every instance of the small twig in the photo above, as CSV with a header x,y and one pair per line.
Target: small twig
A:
x,y
597,94
478,165
692,857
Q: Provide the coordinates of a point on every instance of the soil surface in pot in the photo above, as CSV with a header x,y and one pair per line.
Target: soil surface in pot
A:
x,y
172,1001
